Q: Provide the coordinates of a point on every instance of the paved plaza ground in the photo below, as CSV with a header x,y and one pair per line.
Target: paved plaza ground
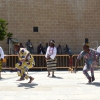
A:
x,y
66,86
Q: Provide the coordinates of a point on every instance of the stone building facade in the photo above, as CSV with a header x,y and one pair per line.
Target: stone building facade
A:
x,y
65,21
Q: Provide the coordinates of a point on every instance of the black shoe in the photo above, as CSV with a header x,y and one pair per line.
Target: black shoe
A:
x,y
75,70
31,79
93,78
53,76
48,75
89,80
21,79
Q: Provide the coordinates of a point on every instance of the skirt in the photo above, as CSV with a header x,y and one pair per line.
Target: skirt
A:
x,y
51,64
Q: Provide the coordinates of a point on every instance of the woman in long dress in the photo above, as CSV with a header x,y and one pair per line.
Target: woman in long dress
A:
x,y
51,58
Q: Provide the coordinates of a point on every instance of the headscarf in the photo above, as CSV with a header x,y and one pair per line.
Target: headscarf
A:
x,y
86,44
52,41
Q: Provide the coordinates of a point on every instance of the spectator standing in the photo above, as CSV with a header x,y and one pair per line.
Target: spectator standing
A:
x,y
40,49
59,49
29,46
21,45
45,48
67,49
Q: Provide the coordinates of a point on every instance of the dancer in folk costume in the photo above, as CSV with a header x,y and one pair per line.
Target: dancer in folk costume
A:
x,y
26,61
1,59
51,58
90,57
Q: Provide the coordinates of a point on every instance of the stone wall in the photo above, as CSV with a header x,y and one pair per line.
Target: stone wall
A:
x,y
65,21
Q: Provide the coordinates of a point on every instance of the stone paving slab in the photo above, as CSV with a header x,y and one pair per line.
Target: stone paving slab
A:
x,y
65,86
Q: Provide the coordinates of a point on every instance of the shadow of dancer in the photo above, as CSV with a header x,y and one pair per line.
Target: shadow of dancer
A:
x,y
56,77
27,85
96,84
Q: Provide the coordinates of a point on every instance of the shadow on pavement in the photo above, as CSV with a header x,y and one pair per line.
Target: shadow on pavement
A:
x,y
2,79
56,77
27,85
94,83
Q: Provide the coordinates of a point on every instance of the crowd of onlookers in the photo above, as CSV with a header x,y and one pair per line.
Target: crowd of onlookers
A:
x,y
42,50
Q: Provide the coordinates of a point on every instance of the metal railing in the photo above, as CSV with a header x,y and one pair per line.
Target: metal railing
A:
x,y
63,61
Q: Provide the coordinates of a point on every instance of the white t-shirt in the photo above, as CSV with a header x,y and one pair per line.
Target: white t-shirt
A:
x,y
98,49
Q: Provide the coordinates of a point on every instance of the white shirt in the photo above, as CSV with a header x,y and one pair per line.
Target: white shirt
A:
x,y
51,51
1,53
98,49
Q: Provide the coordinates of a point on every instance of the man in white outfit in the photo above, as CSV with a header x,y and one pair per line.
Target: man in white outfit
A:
x,y
1,59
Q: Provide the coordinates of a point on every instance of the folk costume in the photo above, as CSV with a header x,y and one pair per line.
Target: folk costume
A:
x,y
26,61
51,58
90,62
